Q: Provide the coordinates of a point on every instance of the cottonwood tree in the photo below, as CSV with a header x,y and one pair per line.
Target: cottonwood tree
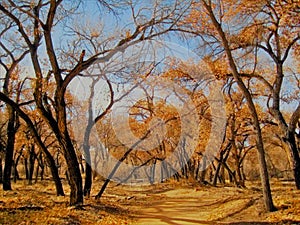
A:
x,y
144,111
12,54
192,78
91,120
36,23
10,58
268,33
39,142
271,30
239,129
211,21
277,35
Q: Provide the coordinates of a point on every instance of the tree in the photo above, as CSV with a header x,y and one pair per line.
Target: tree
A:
x,y
211,25
279,37
9,61
271,29
36,22
39,142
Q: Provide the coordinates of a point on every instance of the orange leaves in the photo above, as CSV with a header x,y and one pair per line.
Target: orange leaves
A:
x,y
247,36
240,9
176,70
198,20
219,67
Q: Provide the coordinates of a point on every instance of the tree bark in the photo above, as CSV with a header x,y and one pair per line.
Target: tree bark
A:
x,y
1,171
88,172
9,150
16,175
32,158
76,194
292,143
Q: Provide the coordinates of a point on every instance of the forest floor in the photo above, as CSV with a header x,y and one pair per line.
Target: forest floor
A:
x,y
169,203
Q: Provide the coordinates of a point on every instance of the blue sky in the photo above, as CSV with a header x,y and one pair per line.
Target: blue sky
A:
x,y
114,23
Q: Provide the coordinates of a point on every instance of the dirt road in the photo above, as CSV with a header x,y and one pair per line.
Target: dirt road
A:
x,y
191,206
210,205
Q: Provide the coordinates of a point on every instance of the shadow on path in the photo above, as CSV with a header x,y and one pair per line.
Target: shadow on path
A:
x,y
200,209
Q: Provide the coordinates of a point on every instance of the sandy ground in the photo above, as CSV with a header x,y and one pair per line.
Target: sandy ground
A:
x,y
192,204
170,203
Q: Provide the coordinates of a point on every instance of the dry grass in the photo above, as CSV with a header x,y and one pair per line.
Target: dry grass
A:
x,y
38,204
171,203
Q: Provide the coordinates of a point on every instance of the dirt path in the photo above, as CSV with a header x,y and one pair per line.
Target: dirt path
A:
x,y
190,206
166,203
209,205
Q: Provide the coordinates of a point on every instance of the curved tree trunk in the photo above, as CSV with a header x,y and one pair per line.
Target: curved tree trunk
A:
x,y
260,146
40,144
76,194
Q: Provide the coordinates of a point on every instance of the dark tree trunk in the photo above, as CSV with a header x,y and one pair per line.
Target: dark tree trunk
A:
x,y
42,166
76,194
88,173
152,172
9,150
222,160
26,168
86,149
197,169
1,172
15,166
291,141
37,170
117,165
32,158
288,129
60,128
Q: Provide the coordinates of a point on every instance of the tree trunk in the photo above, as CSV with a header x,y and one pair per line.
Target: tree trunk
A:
x,y
15,168
1,172
37,170
76,195
295,157
88,172
26,168
42,166
60,128
86,146
222,159
32,158
152,172
292,143
9,150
